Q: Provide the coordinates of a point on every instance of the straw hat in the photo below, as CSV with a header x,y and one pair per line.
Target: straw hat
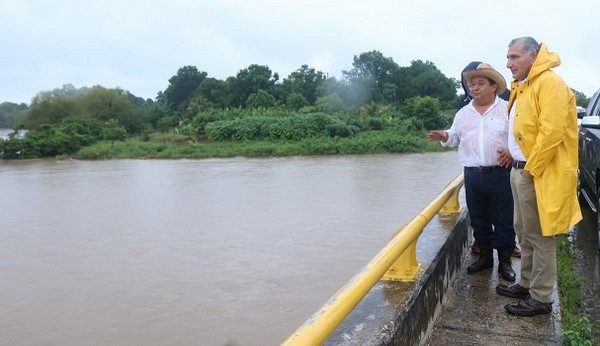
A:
x,y
486,70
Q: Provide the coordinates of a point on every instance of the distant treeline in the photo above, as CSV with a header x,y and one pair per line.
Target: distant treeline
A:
x,y
375,95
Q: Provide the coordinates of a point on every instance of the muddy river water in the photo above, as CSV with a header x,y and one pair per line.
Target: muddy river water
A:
x,y
194,252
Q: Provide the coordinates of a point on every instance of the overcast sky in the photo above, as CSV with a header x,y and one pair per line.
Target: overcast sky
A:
x,y
139,45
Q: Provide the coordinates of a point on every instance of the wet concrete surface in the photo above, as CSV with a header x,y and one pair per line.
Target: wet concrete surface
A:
x,y
585,240
474,314
402,313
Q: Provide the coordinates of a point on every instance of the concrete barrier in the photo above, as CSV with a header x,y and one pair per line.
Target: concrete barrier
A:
x,y
403,313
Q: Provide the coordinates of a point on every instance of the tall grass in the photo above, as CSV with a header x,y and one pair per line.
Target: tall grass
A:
x,y
576,327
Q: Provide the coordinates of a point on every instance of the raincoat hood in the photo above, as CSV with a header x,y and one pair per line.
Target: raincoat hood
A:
x,y
544,61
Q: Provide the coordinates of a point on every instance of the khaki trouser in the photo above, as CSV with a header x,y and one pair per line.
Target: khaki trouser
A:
x,y
538,253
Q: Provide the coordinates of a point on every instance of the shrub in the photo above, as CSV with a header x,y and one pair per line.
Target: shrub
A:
x,y
165,124
427,109
113,131
280,128
296,101
18,148
261,98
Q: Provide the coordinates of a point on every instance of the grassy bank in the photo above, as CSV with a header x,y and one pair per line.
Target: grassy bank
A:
x,y
576,328
178,147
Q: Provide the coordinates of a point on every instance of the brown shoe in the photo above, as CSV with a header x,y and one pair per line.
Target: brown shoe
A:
x,y
475,248
516,253
513,291
528,307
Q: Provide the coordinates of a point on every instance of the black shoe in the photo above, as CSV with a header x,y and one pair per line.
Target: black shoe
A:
x,y
485,261
513,291
481,264
528,307
504,263
506,271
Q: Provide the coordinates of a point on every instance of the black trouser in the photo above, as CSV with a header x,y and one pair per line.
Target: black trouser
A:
x,y
490,204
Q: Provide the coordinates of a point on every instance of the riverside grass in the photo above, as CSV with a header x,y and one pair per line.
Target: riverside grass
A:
x,y
183,147
577,329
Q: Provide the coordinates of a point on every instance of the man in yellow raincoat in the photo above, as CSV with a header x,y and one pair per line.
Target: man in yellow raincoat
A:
x,y
543,119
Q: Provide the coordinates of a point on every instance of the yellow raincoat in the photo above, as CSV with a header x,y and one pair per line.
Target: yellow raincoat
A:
x,y
546,131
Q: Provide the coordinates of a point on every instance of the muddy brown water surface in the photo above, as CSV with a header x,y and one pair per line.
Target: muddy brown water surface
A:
x,y
195,252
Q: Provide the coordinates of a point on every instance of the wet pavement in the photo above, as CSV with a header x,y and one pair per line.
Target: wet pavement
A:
x,y
474,314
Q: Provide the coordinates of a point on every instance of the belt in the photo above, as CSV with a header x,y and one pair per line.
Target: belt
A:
x,y
519,164
485,169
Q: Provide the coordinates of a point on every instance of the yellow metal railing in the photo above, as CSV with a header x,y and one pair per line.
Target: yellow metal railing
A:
x,y
396,261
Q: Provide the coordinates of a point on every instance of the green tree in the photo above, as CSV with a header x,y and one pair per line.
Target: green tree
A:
x,y
305,81
155,113
360,91
12,115
18,148
51,107
580,98
427,109
373,72
161,99
82,130
113,131
182,86
214,91
52,140
165,124
296,101
135,121
250,80
103,104
138,101
424,79
331,104
260,98
341,88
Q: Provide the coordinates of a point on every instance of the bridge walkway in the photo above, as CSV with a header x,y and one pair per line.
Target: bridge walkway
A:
x,y
473,314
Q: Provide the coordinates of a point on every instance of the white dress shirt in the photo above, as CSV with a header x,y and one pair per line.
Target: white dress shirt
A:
x,y
479,136
513,146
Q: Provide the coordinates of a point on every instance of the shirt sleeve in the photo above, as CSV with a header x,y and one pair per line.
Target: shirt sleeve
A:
x,y
453,138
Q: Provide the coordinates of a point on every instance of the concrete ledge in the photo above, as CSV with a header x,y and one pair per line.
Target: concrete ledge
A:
x,y
403,313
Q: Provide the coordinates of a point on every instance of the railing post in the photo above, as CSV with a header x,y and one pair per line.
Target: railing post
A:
x,y
406,267
452,206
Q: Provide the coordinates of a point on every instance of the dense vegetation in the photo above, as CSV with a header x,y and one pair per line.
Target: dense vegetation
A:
x,y
377,106
577,328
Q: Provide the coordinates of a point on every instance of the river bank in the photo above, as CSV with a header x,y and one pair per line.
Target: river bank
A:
x,y
180,147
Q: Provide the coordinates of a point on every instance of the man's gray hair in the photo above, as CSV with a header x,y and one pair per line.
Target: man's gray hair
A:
x,y
530,45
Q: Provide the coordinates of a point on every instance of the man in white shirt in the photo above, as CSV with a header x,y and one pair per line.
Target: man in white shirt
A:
x,y
480,130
